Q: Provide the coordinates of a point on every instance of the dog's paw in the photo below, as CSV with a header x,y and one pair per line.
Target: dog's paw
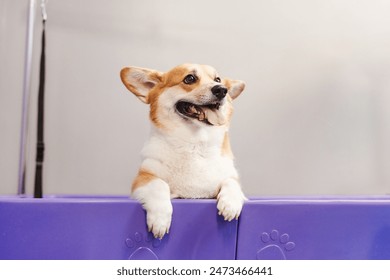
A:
x,y
230,200
155,199
159,221
229,208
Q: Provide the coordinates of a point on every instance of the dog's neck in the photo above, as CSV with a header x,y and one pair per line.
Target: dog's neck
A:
x,y
191,135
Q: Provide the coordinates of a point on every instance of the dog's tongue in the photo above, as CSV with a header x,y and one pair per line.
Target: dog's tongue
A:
x,y
215,117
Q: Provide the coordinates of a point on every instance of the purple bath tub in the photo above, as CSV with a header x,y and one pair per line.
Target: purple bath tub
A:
x,y
110,228
310,228
269,228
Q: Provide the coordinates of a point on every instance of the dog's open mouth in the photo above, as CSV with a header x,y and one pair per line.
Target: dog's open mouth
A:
x,y
207,113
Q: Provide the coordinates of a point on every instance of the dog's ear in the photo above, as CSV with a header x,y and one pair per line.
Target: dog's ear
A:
x,y
235,87
140,81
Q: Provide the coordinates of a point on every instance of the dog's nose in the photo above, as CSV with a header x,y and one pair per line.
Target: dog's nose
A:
x,y
219,91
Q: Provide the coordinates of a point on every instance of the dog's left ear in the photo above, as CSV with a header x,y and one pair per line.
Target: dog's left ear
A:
x,y
140,81
235,87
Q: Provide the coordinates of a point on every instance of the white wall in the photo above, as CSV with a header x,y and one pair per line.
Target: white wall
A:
x,y
12,32
314,118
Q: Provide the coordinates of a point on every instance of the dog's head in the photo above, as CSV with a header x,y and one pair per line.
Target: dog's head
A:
x,y
189,93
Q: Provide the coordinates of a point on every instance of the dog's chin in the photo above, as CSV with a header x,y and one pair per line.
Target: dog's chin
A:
x,y
208,113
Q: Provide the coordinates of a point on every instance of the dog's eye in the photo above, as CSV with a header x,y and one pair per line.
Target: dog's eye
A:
x,y
217,79
189,79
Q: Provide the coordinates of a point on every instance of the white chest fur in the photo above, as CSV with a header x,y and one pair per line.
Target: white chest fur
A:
x,y
190,160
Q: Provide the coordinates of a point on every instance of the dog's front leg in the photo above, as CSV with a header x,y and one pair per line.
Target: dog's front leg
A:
x,y
155,199
230,199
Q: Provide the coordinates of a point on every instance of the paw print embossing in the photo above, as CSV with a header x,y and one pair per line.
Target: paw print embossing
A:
x,y
275,246
142,248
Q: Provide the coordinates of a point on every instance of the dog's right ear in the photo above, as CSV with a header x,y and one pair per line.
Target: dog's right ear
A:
x,y
140,81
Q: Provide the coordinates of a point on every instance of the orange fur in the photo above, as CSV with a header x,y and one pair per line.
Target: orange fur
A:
x,y
226,148
143,177
176,76
153,101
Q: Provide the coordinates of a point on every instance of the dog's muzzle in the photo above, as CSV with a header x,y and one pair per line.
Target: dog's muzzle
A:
x,y
219,91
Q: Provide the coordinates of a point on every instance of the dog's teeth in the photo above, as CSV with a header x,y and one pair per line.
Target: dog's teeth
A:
x,y
192,110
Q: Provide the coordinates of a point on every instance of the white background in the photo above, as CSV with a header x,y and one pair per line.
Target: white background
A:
x,y
87,269
314,118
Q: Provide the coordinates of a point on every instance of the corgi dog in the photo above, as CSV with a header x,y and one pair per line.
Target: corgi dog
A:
x,y
188,154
